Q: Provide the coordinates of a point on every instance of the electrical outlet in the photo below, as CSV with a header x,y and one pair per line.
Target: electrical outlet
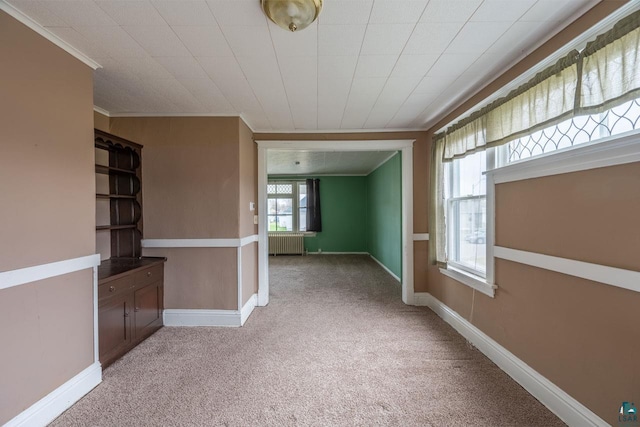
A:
x,y
255,219
319,250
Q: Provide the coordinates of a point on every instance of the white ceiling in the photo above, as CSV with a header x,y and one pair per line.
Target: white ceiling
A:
x,y
283,162
365,64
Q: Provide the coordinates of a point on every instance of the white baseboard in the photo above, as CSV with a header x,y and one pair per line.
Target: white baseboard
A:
x,y
550,395
338,253
59,400
248,307
385,268
193,317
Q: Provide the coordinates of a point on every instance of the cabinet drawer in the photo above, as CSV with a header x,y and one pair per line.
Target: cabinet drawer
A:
x,y
115,287
148,275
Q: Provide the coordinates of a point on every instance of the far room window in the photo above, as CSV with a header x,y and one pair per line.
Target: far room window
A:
x,y
466,213
287,205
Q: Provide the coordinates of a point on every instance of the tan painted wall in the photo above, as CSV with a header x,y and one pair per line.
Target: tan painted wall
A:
x,y
199,278
47,214
421,151
249,271
192,190
248,180
47,331
587,217
100,121
189,173
579,334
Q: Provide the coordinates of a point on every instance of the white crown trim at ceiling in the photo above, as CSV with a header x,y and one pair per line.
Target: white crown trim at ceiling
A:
x,y
24,19
338,145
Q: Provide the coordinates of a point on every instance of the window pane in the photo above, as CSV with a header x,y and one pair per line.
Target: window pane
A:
x,y
302,194
271,206
468,219
284,189
302,224
468,178
284,206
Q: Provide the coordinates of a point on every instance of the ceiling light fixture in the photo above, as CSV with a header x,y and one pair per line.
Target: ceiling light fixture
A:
x,y
292,14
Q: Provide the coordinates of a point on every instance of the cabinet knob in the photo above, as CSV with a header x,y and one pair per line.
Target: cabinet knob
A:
x,y
112,288
148,274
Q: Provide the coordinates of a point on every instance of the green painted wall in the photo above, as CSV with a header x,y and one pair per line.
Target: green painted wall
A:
x,y
343,200
362,214
384,214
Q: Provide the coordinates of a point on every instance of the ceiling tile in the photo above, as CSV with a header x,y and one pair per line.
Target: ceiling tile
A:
x,y
476,37
452,61
385,39
80,42
39,12
364,93
395,12
157,40
375,65
501,10
520,36
563,10
145,68
80,13
413,65
237,13
187,68
186,12
127,12
205,91
300,43
116,42
345,12
336,40
204,41
432,38
300,77
439,11
249,40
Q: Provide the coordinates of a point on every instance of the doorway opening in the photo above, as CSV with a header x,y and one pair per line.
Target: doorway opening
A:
x,y
404,148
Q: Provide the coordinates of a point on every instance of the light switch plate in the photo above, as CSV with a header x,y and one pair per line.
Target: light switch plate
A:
x,y
255,219
252,206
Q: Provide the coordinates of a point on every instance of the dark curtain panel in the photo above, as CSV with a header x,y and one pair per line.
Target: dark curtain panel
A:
x,y
314,221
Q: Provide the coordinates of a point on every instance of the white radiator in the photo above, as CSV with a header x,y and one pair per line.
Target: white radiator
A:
x,y
286,243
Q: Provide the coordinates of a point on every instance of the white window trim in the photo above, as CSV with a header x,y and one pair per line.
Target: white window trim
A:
x,y
485,284
295,194
476,282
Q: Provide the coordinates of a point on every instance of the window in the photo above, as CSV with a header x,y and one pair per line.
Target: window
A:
x,y
287,205
466,213
578,130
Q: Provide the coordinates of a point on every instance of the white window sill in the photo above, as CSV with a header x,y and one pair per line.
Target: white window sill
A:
x,y
475,282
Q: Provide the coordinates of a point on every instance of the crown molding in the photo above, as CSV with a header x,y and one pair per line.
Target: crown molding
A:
x,y
26,20
337,131
101,111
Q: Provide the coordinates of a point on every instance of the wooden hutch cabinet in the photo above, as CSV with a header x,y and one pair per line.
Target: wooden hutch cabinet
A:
x,y
130,287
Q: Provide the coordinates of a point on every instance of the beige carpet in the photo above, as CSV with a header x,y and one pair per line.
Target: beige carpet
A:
x,y
335,347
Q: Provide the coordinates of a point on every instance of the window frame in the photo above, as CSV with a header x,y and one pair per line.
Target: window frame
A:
x,y
295,204
482,281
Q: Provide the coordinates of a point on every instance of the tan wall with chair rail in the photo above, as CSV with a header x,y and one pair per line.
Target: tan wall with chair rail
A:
x,y
199,176
579,334
47,215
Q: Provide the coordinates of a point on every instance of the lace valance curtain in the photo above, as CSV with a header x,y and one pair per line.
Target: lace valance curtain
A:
x,y
605,74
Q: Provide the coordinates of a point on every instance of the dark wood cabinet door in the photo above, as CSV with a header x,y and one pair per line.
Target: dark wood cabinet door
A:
x,y
114,325
148,309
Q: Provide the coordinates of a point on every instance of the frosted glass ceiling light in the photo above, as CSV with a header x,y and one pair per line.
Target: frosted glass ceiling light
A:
x,y
292,14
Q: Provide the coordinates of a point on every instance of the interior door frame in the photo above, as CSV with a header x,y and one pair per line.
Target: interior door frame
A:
x,y
404,146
